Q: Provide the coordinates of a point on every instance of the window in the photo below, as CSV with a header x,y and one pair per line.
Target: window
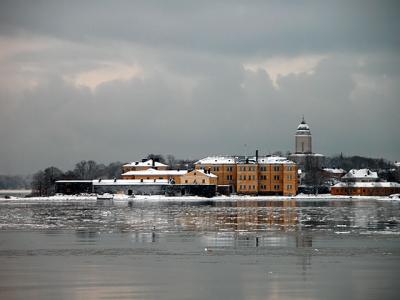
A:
x,y
240,177
254,177
204,181
254,187
289,186
289,177
276,177
289,168
186,181
249,187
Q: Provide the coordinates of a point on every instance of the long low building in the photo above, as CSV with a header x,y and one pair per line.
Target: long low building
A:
x,y
366,188
134,187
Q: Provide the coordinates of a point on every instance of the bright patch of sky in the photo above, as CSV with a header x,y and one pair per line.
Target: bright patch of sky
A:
x,y
277,67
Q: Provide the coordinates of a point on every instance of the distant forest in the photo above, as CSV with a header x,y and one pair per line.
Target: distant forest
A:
x,y
42,182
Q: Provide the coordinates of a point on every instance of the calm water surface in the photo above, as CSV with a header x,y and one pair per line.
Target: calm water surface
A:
x,y
239,250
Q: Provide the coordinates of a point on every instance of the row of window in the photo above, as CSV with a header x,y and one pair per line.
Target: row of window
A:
x,y
244,187
253,177
263,187
195,182
216,169
249,177
251,168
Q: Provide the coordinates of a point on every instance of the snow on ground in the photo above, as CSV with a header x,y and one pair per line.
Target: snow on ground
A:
x,y
10,192
124,199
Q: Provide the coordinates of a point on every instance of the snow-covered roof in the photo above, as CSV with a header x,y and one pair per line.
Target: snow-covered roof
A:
x,y
397,164
303,126
367,184
274,160
130,182
147,163
224,160
152,171
360,174
211,175
334,170
307,154
217,160
73,181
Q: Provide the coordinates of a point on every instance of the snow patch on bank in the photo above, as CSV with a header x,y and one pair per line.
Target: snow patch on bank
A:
x,y
124,199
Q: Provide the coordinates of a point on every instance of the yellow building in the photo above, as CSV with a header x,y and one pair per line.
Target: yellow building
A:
x,y
268,175
198,176
151,174
247,177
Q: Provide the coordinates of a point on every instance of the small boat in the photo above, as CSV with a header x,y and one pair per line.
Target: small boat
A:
x,y
105,199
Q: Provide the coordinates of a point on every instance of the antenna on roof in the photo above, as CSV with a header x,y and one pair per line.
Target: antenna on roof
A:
x,y
302,120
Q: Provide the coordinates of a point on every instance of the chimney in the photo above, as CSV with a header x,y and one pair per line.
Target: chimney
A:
x,y
257,156
153,163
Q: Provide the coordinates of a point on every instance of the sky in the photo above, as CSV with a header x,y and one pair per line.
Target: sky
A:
x,y
117,80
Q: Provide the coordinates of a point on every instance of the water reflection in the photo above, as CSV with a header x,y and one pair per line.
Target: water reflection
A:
x,y
237,250
240,216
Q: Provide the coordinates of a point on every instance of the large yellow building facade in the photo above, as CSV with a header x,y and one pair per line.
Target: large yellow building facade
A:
x,y
268,175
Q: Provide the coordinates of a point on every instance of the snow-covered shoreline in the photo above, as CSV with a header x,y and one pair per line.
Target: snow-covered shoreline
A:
x,y
124,199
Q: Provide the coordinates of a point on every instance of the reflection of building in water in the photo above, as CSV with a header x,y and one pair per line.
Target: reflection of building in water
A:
x,y
244,216
303,240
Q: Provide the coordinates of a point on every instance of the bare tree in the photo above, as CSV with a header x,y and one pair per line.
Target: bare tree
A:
x,y
171,161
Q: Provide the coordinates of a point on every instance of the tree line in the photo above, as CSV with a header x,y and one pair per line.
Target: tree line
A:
x,y
43,181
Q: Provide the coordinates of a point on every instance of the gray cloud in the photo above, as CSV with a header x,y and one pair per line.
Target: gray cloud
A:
x,y
171,78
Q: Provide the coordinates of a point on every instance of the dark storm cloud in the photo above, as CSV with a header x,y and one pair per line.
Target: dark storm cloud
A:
x,y
222,26
115,80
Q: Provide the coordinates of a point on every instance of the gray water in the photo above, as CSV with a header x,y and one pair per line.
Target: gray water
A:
x,y
239,250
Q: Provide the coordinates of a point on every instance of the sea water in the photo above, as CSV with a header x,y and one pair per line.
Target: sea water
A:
x,y
278,249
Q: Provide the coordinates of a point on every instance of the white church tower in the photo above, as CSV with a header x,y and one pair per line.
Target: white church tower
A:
x,y
303,139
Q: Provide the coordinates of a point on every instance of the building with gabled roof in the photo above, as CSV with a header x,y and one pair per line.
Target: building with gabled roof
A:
x,y
360,175
143,165
150,173
199,176
364,182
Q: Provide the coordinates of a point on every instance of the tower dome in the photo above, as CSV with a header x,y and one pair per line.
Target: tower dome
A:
x,y
303,128
303,138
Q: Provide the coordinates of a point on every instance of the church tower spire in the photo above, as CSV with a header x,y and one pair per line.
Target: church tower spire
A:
x,y
303,138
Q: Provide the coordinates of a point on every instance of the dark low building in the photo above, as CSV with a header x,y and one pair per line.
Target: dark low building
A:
x,y
134,187
73,187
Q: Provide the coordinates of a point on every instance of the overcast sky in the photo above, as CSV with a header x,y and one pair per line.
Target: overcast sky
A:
x,y
116,80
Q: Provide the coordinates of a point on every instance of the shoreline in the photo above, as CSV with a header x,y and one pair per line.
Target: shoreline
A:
x,y
125,199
